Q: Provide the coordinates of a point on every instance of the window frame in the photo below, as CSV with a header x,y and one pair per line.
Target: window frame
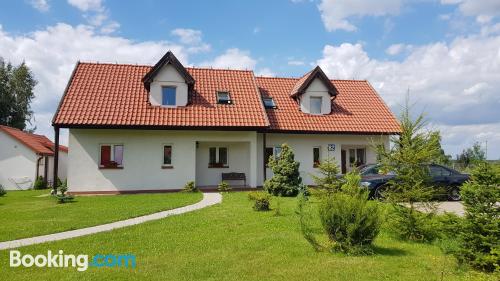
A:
x,y
311,98
219,101
113,164
217,163
268,155
165,165
271,106
162,95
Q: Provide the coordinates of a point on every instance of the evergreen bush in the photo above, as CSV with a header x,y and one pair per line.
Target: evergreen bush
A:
x,y
40,183
286,180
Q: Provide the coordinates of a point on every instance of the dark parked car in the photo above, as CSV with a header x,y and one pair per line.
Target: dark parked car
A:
x,y
445,180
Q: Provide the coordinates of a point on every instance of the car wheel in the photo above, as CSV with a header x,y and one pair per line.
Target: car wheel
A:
x,y
454,194
379,193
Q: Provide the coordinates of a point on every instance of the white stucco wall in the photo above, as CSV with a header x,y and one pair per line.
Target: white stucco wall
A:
x,y
168,76
16,161
143,154
316,89
62,169
302,146
238,161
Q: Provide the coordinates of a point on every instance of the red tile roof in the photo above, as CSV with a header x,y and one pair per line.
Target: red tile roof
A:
x,y
357,109
38,143
113,94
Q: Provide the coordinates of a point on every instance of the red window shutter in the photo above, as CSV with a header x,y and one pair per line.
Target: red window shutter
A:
x,y
105,155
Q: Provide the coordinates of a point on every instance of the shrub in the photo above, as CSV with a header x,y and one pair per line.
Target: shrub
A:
x,y
479,240
223,187
62,197
409,223
40,183
190,187
327,179
2,191
286,180
351,222
261,200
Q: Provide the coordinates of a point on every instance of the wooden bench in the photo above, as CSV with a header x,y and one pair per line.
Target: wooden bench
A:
x,y
234,177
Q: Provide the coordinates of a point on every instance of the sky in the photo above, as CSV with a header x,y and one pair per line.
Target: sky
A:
x,y
444,53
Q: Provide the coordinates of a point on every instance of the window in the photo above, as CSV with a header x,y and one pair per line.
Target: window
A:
x,y
167,155
268,154
269,103
315,105
316,156
223,155
168,95
111,156
357,157
223,97
212,155
436,171
360,155
217,157
277,152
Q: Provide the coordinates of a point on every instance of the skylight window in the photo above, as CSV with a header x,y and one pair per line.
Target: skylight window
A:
x,y
269,103
223,97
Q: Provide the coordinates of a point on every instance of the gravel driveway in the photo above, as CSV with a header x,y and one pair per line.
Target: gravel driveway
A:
x,y
451,207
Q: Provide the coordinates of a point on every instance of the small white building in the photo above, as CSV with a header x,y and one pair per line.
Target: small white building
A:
x,y
25,156
136,128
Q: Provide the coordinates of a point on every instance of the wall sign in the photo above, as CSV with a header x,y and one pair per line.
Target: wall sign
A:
x,y
331,147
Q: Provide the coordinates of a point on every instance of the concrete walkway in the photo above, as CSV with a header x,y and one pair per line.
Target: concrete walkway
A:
x,y
209,199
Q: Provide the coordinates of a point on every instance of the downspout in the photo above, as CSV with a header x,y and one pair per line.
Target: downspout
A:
x,y
46,170
56,157
38,166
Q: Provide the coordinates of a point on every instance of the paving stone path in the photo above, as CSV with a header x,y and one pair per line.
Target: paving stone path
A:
x,y
209,199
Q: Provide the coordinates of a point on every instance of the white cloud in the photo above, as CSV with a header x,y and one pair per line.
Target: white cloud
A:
x,y
192,39
87,5
40,5
96,14
52,52
265,72
455,83
483,10
397,49
233,58
336,14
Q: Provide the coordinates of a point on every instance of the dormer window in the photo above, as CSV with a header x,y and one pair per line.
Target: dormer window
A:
x,y
223,98
315,106
168,96
269,103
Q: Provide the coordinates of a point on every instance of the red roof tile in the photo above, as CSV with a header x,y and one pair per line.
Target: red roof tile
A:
x,y
105,95
38,143
357,109
113,94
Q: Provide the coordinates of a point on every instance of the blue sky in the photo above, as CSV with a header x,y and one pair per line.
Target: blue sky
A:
x,y
446,52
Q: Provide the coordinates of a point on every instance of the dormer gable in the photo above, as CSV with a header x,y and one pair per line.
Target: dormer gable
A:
x,y
168,83
314,92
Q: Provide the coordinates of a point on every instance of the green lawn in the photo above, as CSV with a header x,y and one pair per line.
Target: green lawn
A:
x,y
25,214
232,242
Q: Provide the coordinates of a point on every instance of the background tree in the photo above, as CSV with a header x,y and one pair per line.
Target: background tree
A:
x,y
16,93
286,180
414,147
471,156
441,157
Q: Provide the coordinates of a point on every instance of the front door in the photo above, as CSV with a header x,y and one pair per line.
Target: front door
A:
x,y
343,161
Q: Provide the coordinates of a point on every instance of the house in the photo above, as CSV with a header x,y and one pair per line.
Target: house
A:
x,y
137,128
25,156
